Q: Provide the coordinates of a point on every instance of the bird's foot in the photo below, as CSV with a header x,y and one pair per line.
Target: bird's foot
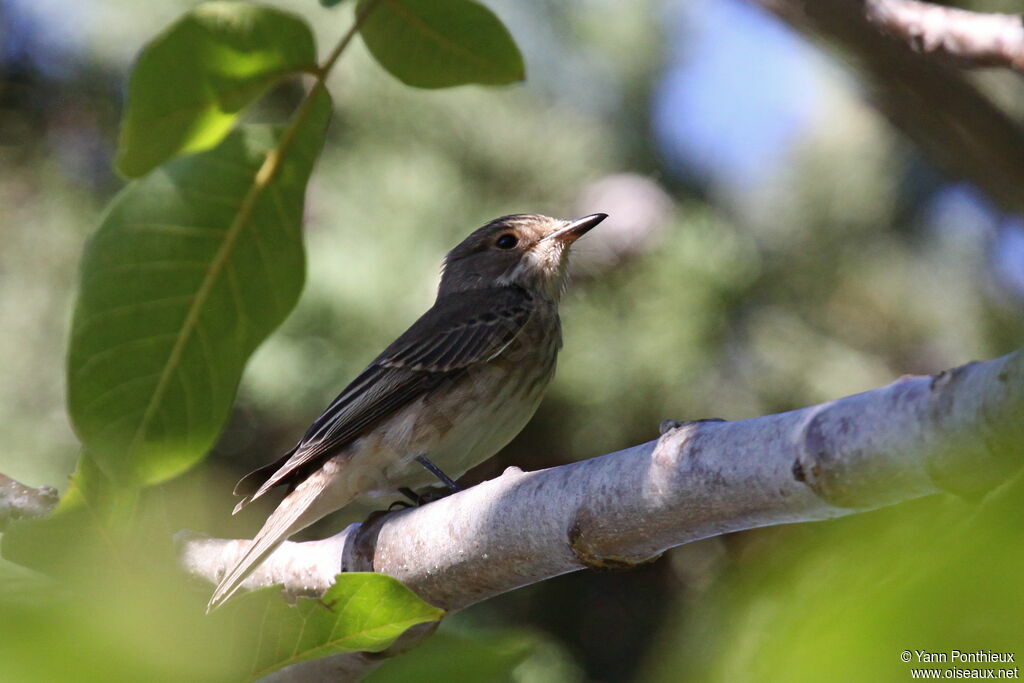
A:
x,y
417,499
401,505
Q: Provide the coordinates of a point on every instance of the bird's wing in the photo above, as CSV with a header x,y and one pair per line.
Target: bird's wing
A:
x,y
459,331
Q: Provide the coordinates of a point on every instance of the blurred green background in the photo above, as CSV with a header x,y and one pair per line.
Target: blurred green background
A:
x,y
773,243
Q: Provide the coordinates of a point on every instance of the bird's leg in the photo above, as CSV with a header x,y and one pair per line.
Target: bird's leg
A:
x,y
416,499
436,471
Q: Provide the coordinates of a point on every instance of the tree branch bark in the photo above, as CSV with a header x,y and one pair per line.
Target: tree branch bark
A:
x,y
959,431
18,501
967,39
954,124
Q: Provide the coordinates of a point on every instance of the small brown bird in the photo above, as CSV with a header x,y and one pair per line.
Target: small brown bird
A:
x,y
445,396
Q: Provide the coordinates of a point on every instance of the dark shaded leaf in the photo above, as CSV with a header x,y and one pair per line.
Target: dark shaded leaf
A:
x,y
190,269
441,43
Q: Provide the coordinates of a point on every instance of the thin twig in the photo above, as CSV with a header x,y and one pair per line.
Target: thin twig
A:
x,y
969,39
18,501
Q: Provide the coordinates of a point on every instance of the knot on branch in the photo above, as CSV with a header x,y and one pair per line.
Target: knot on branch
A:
x,y
18,501
859,453
817,462
668,426
958,431
976,410
588,554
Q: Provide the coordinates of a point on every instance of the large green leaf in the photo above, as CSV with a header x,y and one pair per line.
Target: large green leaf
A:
x,y
440,43
360,612
191,81
190,269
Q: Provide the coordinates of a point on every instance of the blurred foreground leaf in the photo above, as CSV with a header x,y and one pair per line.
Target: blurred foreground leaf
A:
x,y
360,612
190,269
192,80
842,600
129,614
24,586
476,656
119,612
89,529
441,43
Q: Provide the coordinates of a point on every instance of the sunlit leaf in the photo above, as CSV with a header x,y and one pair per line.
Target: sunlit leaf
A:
x,y
190,269
191,81
361,611
440,43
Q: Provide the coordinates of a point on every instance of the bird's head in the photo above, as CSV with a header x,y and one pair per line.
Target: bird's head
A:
x,y
528,250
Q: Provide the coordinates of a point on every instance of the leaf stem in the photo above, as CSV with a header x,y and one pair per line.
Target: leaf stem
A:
x,y
273,160
361,16
268,169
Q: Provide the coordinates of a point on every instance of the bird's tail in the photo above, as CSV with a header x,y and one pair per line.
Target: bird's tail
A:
x,y
299,509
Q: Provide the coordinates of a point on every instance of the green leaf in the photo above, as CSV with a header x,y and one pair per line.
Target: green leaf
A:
x,y
440,43
849,595
24,586
190,269
191,81
479,656
360,612
330,3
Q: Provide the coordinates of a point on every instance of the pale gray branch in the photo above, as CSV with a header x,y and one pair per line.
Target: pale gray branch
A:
x,y
969,39
18,501
959,431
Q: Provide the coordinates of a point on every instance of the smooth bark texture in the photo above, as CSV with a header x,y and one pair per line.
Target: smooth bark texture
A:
x,y
959,431
969,39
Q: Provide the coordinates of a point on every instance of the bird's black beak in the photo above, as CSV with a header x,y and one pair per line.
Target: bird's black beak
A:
x,y
577,228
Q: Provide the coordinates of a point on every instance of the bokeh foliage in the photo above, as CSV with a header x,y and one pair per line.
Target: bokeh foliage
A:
x,y
828,279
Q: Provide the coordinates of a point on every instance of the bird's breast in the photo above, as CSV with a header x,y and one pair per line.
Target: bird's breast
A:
x,y
473,414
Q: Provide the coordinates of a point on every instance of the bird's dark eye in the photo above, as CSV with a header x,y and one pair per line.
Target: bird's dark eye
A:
x,y
506,241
